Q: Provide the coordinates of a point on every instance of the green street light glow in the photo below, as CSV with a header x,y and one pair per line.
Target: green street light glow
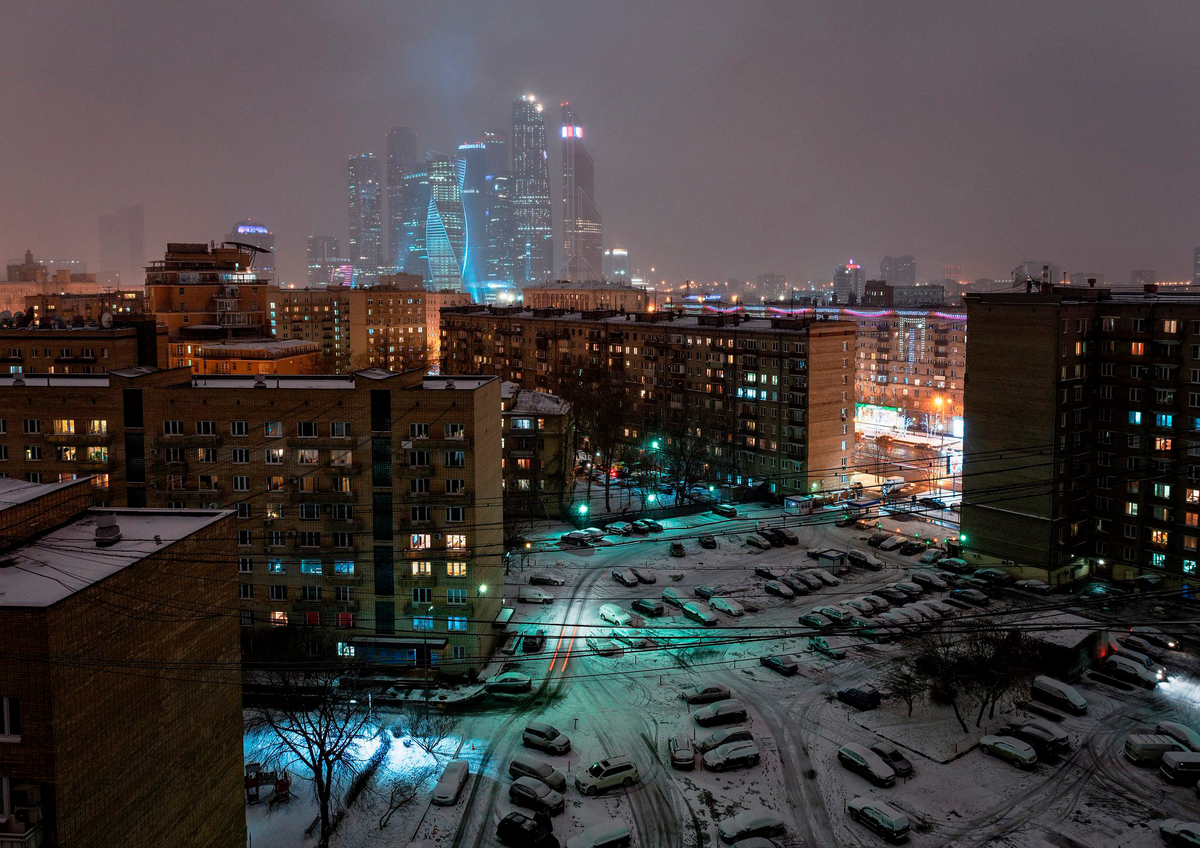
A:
x,y
582,509
651,498
654,444
483,588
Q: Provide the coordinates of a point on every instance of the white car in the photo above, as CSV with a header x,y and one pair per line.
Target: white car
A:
x,y
604,647
450,784
613,614
727,606
1018,753
1176,832
613,834
731,756
595,535
750,823
509,681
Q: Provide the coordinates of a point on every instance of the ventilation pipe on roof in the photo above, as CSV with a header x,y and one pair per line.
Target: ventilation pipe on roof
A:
x,y
108,532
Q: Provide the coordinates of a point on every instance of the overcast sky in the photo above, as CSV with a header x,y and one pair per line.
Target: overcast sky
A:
x,y
730,138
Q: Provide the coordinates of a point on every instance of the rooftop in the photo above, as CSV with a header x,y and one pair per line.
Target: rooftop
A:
x,y
528,401
1059,628
65,561
14,492
465,382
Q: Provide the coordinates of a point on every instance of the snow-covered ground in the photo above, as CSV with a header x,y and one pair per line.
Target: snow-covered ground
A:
x,y
630,704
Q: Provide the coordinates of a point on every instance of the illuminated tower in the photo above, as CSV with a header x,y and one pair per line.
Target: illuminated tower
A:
x,y
249,232
366,218
445,228
401,156
582,247
531,193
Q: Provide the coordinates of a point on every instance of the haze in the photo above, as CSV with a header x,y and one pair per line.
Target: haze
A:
x,y
731,139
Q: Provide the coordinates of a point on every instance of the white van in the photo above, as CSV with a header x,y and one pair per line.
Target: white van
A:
x,y
892,484
533,595
1058,694
1148,748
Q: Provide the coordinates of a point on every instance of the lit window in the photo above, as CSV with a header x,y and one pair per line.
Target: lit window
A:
x,y
310,566
420,541
456,623
279,618
456,569
456,541
1159,537
1131,508
423,623
1135,417
421,568
343,566
1189,566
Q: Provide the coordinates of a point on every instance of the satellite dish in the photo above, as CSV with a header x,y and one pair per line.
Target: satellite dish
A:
x,y
5,317
106,320
18,317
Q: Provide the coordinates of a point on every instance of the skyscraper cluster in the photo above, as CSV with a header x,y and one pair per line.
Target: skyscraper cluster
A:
x,y
476,218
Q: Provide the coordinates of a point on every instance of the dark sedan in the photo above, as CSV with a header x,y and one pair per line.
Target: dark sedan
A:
x,y
782,663
891,755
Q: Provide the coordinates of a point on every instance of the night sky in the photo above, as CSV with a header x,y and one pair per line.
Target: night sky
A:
x,y
730,139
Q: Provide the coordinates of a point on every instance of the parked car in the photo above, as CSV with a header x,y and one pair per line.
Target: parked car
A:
x,y
704,592
1045,739
809,579
653,525
531,792
1128,671
892,595
672,597
1137,643
880,604
866,763
1020,754
682,751
604,647
632,638
533,595
509,682
1037,587
799,587
450,784
649,606
728,711
813,553
731,756
699,614
862,697
677,549
779,590
639,528
613,834
595,536
520,831
534,641
816,621
892,543
613,614
824,576
1153,634
724,510
724,736
955,565
1180,833
1057,694
727,605
707,540
624,576
878,539
972,596
523,765
994,575
846,520
837,615
706,694
928,581
913,547
545,737
758,542
913,590
576,539
931,556
750,823
543,578
864,560
606,774
891,755
772,537
859,606
958,603
1148,748
787,535
785,664
768,572
1180,733
1181,767
618,528
885,820
644,575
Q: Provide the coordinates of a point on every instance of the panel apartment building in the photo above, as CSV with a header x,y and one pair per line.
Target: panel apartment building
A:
x,y
368,502
1082,444
774,398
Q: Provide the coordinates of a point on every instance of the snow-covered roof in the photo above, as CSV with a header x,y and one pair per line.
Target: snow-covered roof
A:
x,y
14,492
1059,628
65,561
94,381
272,381
532,402
463,383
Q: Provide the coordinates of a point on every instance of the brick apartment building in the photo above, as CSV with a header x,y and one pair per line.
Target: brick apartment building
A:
x,y
585,297
369,502
539,466
1082,452
102,743
82,350
772,398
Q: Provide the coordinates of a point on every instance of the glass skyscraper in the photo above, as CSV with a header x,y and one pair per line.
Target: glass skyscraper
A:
x,y
582,245
401,156
473,157
414,209
445,226
366,217
324,255
531,193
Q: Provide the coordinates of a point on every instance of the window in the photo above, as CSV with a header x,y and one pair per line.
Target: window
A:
x,y
239,428
1131,508
1189,566
33,425
342,594
307,456
422,595
1137,348
341,457
245,591
1159,537
274,510
455,486
456,596
456,569
1161,444
279,618
456,623
343,540
65,454
418,431
340,429
418,513
418,458
274,456
1158,560
278,592
522,423
206,428
310,539
455,459
418,486
33,453
274,538
241,456
310,512
1162,490
273,429
455,431
456,541
341,512
343,566
420,541
275,566
1135,417
172,428
241,483
97,427
1170,326
343,485
458,652
306,429
243,510
422,623
1189,543
310,566
422,569
455,514
310,593
275,484
208,482
245,565
64,426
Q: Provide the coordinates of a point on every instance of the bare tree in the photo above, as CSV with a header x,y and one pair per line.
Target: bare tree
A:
x,y
1001,661
943,665
904,684
315,719
686,459
879,451
400,790
427,727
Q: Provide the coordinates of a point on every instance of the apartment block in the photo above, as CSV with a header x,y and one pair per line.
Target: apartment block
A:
x,y
86,308
369,502
82,350
539,464
100,743
587,296
772,398
1081,447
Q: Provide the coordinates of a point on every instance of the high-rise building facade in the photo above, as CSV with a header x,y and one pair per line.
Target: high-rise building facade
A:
x,y
401,156
260,236
414,209
898,270
582,240
1196,268
324,256
616,264
501,229
365,186
474,159
123,246
848,283
445,226
531,193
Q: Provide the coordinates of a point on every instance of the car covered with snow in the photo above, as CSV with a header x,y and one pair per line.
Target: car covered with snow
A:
x,y
728,711
1180,833
866,763
618,770
700,615
1015,751
545,578
726,605
613,614
450,784
732,755
545,737
724,736
784,664
644,575
509,682
536,795
682,751
649,606
750,823
705,693
524,765
885,820
778,589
